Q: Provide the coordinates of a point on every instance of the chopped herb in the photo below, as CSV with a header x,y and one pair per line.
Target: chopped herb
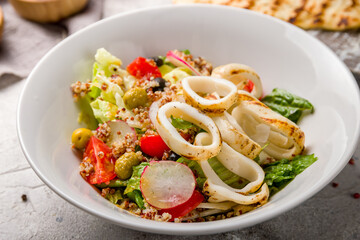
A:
x,y
139,131
137,148
186,51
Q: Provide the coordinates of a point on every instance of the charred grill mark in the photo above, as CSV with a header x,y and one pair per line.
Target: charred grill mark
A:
x,y
243,97
274,6
258,103
343,22
252,147
297,12
282,124
251,4
318,17
292,130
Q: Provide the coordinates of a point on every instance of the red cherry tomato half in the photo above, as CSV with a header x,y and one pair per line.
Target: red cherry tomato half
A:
x,y
249,86
153,145
143,68
184,208
101,158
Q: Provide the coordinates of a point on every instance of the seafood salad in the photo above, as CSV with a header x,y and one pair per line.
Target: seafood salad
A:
x,y
172,138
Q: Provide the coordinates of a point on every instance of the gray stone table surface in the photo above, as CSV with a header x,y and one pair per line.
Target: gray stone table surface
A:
x,y
333,213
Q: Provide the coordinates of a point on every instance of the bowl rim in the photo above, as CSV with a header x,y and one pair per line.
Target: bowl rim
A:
x,y
190,228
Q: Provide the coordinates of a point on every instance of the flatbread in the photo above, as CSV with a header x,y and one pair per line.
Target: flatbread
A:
x,y
307,14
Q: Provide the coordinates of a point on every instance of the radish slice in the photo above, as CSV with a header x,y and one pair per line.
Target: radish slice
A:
x,y
179,62
154,108
119,129
166,184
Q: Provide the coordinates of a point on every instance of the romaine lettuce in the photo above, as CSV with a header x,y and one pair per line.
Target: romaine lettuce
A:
x,y
86,114
132,189
103,111
176,75
224,174
114,197
134,181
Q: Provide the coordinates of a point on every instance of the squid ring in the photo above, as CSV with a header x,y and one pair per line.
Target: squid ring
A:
x,y
232,134
176,142
239,74
226,89
285,138
236,163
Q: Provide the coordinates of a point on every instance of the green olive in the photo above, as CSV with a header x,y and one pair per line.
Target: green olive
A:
x,y
80,137
135,97
124,164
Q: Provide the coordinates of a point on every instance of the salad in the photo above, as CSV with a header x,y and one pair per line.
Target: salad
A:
x,y
170,138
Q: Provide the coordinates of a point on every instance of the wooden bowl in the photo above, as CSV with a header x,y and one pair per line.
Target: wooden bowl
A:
x,y
1,22
47,10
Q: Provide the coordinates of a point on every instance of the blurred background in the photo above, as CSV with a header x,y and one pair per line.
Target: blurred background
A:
x,y
29,209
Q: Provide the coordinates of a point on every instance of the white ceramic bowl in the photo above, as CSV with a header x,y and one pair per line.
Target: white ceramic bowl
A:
x,y
283,55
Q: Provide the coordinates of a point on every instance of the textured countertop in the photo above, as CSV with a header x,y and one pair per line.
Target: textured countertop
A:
x,y
333,213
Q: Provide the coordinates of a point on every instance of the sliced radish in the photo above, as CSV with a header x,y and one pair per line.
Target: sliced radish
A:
x,y
179,62
119,129
154,108
184,208
166,184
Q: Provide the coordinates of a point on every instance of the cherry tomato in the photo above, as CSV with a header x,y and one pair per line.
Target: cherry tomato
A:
x,y
143,68
102,160
153,145
186,207
249,86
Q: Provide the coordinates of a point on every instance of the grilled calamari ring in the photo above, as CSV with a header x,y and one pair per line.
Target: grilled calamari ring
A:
x,y
200,84
236,163
285,138
219,193
239,74
176,142
232,134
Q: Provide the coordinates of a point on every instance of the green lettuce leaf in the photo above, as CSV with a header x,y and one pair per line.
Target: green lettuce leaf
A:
x,y
184,125
176,75
226,175
107,63
137,197
287,104
164,69
186,51
111,90
181,123
86,114
195,167
103,110
134,181
280,173
115,197
132,189
115,183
